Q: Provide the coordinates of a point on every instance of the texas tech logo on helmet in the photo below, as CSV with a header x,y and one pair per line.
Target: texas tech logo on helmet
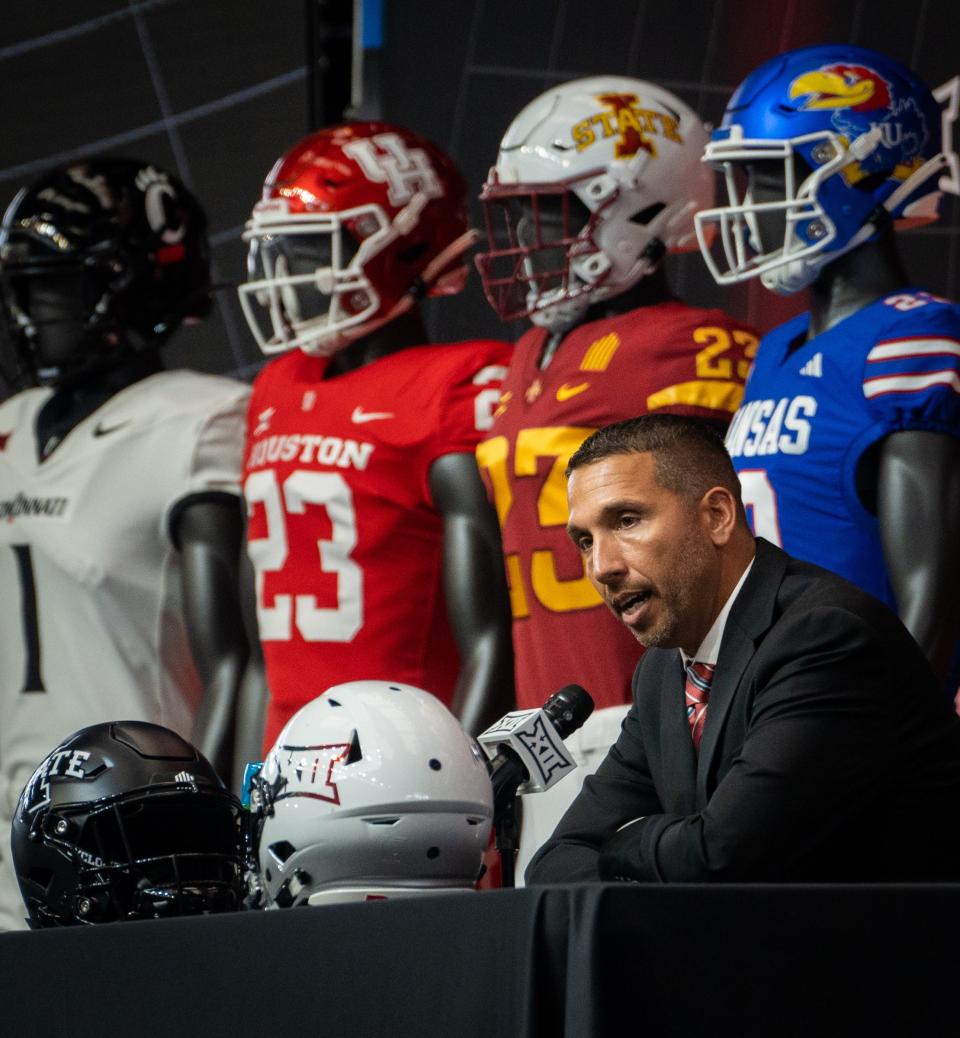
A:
x,y
385,159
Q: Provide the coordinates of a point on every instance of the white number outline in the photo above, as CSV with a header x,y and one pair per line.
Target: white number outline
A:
x,y
760,496
269,554
486,401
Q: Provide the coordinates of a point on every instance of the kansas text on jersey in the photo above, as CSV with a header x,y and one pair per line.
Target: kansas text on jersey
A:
x,y
812,409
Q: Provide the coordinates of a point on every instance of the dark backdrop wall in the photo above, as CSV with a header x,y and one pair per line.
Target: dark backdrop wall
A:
x,y
213,90
459,71
216,90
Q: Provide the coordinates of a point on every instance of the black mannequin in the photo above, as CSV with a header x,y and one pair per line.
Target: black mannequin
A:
x,y
911,479
208,534
472,559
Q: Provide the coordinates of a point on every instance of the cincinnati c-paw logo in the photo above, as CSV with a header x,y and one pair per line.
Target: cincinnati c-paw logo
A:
x,y
634,127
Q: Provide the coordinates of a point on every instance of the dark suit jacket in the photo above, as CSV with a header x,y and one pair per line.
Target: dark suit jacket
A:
x,y
829,753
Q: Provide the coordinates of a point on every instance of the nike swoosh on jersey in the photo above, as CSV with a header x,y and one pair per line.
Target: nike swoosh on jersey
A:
x,y
360,416
103,430
565,391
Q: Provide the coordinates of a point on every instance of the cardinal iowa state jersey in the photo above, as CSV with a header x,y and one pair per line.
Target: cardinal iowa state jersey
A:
x,y
809,414
343,535
669,357
91,624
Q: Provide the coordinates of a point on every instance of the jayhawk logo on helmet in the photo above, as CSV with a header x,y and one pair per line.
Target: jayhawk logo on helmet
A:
x,y
864,145
857,94
842,86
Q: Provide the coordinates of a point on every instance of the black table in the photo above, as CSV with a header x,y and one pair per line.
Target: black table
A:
x,y
770,961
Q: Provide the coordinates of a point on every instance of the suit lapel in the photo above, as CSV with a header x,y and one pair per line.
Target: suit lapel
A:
x,y
679,759
736,651
751,615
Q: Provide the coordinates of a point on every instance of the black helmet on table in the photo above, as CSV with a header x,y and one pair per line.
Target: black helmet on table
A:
x,y
126,820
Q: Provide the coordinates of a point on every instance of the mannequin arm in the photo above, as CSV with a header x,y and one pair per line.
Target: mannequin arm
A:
x,y
918,502
476,592
208,534
252,703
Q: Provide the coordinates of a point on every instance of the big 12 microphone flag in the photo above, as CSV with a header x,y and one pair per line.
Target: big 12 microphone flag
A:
x,y
528,744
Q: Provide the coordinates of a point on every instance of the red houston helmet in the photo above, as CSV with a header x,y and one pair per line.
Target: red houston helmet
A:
x,y
356,223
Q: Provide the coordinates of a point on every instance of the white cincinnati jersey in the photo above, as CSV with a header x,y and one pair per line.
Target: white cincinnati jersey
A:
x,y
91,625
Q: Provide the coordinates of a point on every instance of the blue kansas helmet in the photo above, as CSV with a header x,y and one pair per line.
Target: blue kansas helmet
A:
x,y
874,144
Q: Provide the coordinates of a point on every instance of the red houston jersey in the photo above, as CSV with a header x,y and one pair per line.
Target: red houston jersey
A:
x,y
343,535
669,357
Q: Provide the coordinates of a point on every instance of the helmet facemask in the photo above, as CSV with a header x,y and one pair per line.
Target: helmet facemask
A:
x,y
63,318
148,854
306,285
124,246
791,259
557,248
312,276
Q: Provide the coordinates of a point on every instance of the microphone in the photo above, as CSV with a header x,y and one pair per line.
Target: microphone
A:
x,y
525,747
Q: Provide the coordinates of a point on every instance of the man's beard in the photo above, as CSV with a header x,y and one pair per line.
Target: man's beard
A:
x,y
678,596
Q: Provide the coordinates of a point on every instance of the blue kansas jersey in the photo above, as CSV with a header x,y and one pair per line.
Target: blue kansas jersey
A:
x,y
809,414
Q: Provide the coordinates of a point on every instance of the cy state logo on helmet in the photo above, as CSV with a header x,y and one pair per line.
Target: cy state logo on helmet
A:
x,y
634,126
595,181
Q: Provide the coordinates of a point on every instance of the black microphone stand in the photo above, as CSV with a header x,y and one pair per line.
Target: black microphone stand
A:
x,y
507,813
566,709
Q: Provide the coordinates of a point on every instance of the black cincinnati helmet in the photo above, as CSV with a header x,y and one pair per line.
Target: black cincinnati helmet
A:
x,y
135,234
126,820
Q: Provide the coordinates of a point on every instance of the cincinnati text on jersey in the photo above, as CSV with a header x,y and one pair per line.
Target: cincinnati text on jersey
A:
x,y
771,427
320,450
21,505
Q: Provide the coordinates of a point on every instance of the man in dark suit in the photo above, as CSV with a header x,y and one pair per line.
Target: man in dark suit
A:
x,y
798,734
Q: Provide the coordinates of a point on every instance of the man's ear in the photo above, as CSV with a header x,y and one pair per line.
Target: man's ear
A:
x,y
718,509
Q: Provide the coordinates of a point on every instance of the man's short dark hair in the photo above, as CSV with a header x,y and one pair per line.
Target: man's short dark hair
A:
x,y
689,456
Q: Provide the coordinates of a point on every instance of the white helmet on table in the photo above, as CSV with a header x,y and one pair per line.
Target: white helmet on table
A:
x,y
372,790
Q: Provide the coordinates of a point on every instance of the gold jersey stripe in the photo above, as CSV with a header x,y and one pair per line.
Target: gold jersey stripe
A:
x,y
600,353
717,395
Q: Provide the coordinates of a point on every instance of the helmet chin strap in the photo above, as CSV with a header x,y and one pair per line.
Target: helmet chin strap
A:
x,y
561,317
795,275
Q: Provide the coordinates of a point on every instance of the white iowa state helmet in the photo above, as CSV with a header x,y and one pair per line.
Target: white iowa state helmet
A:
x,y
622,156
372,790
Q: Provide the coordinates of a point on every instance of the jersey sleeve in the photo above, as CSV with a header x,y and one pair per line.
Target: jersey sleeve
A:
x,y
467,401
704,364
911,375
216,455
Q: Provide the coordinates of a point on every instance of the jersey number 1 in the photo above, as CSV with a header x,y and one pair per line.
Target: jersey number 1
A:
x,y
269,555
32,678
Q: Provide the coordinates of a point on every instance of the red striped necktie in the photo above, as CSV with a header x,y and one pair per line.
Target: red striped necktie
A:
x,y
697,696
